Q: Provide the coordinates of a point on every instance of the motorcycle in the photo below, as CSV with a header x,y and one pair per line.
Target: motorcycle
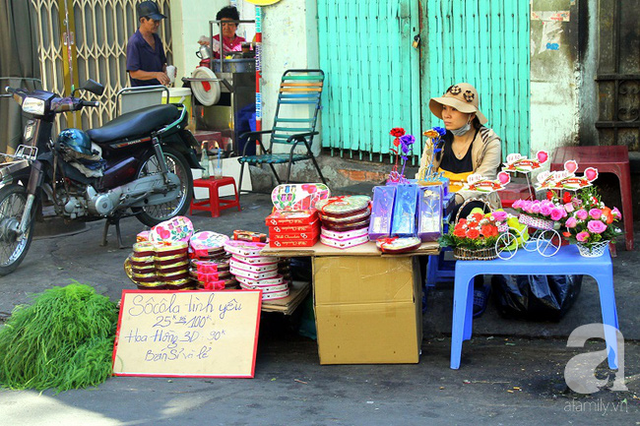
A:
x,y
138,164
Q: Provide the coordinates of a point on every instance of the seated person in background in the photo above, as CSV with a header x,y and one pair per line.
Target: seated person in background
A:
x,y
469,147
146,60
230,41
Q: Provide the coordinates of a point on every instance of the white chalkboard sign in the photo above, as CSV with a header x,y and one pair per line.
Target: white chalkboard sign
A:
x,y
187,333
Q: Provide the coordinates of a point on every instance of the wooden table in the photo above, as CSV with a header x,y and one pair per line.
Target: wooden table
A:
x,y
608,159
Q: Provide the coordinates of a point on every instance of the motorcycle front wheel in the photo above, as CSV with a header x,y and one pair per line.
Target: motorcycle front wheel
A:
x,y
13,249
152,215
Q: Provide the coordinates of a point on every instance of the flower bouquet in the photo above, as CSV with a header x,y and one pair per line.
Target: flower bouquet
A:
x,y
474,237
593,226
402,143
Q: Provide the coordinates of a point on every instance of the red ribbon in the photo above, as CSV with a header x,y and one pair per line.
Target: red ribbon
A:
x,y
332,200
387,240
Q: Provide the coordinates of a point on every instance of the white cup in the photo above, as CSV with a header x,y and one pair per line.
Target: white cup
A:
x,y
171,73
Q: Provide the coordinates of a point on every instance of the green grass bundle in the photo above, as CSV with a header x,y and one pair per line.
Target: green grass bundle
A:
x,y
63,340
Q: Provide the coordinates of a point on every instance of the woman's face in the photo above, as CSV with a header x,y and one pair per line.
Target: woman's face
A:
x,y
454,119
228,28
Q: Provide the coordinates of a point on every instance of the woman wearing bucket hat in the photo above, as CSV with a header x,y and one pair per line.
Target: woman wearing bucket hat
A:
x,y
469,147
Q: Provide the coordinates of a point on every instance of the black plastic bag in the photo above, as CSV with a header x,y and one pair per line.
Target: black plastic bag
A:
x,y
535,297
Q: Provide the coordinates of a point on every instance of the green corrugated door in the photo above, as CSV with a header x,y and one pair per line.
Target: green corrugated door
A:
x,y
373,77
485,43
376,80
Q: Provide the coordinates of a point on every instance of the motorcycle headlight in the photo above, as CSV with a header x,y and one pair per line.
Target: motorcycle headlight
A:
x,y
28,130
33,106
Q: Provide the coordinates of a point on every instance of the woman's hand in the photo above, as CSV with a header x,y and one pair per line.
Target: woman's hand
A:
x,y
203,41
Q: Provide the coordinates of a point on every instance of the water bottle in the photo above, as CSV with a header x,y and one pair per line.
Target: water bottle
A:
x,y
204,162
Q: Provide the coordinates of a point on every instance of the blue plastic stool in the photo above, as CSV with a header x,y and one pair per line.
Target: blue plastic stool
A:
x,y
566,262
440,270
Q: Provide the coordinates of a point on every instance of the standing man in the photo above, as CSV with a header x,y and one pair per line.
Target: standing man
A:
x,y
146,61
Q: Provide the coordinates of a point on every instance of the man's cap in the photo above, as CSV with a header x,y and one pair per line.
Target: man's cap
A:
x,y
149,9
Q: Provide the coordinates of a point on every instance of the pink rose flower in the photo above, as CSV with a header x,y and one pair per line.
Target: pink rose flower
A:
x,y
582,236
556,213
500,216
569,207
535,208
516,204
526,206
595,213
616,213
596,226
545,210
571,222
582,214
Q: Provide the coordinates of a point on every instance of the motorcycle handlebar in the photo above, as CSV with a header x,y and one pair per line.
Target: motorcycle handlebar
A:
x,y
89,103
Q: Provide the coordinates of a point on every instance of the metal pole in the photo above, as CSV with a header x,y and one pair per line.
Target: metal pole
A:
x,y
258,55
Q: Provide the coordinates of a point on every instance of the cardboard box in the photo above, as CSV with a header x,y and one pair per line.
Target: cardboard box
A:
x,y
368,309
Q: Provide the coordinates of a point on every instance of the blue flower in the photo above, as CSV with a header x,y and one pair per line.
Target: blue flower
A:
x,y
440,130
407,140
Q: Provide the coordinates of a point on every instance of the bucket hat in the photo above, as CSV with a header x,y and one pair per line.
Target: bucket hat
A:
x,y
149,9
461,96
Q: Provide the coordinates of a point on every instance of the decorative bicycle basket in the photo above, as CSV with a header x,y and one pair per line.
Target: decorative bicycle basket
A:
x,y
535,222
481,253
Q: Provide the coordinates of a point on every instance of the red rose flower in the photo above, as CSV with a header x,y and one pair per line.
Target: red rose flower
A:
x,y
549,195
566,198
478,216
396,132
459,232
473,233
566,234
489,231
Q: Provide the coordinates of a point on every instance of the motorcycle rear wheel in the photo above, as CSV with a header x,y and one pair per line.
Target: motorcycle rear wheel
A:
x,y
13,199
152,215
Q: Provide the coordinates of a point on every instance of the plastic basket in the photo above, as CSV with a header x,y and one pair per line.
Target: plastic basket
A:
x,y
595,250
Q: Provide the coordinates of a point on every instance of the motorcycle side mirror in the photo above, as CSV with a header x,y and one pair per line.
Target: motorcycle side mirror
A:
x,y
93,87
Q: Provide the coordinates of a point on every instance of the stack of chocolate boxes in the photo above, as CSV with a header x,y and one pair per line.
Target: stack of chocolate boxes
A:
x,y
345,220
210,262
160,265
293,228
254,271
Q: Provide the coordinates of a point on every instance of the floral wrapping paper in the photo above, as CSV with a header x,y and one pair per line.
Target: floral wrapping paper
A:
x,y
179,228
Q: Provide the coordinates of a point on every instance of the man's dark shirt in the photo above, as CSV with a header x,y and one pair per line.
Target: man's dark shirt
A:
x,y
140,56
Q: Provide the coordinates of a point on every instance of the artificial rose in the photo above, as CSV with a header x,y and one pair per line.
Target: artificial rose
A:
x,y
566,197
396,132
473,233
557,213
571,222
535,207
595,213
477,217
569,207
582,214
596,226
566,234
516,204
550,195
489,231
462,222
526,206
460,232
616,213
582,236
500,215
431,134
545,210
607,215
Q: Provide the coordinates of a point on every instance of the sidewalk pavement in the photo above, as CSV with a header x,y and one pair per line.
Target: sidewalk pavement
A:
x,y
511,372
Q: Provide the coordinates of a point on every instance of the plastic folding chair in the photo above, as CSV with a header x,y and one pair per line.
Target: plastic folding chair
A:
x,y
294,124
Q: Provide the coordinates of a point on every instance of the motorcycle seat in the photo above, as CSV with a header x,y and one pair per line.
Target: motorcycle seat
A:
x,y
135,123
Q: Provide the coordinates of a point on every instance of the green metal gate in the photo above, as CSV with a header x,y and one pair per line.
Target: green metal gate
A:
x,y
376,80
373,80
485,43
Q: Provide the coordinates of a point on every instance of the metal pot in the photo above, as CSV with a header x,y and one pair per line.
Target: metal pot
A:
x,y
204,52
235,65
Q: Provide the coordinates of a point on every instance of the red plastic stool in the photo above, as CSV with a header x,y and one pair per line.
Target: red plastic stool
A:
x,y
515,191
214,204
607,159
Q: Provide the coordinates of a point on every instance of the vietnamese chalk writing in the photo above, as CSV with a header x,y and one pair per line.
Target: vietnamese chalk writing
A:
x,y
152,306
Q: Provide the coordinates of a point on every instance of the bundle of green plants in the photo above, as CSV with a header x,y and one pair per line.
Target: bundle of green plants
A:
x,y
62,340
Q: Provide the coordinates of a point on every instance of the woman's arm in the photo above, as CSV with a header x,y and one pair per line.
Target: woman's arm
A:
x,y
491,158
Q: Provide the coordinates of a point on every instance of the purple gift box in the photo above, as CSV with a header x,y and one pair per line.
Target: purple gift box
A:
x,y
381,211
404,211
430,212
